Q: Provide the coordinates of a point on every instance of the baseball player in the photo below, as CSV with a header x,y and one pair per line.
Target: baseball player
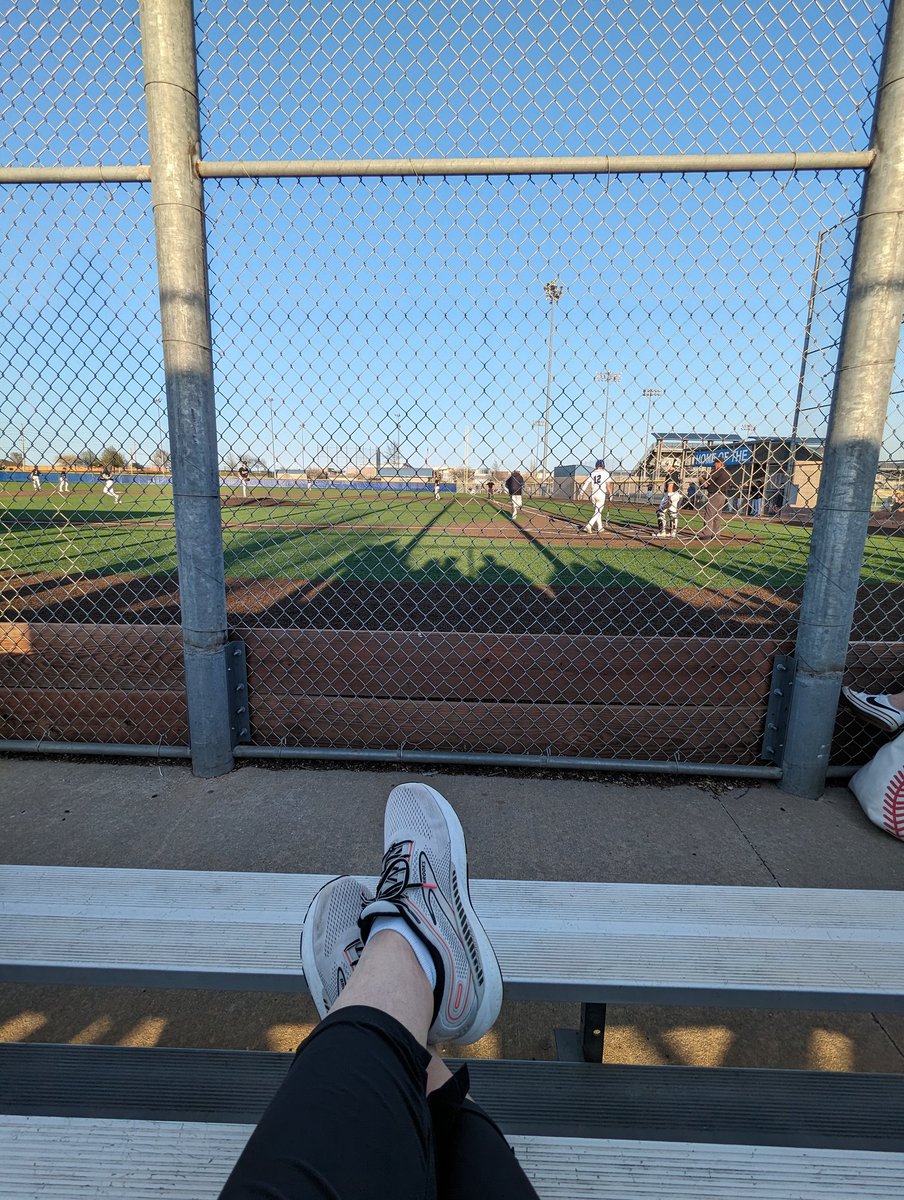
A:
x,y
514,485
598,485
63,483
435,487
667,512
35,479
244,476
107,476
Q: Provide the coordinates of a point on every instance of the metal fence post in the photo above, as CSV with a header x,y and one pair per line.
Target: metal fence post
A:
x,y
171,95
869,342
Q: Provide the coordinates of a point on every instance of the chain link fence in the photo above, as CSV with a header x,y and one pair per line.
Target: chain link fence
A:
x,y
399,343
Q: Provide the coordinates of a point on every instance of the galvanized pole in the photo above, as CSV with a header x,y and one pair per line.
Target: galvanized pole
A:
x,y
869,343
171,97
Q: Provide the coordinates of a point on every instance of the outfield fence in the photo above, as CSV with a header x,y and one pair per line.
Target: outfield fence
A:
x,y
310,263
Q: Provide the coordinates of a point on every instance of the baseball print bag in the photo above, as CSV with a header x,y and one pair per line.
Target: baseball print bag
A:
x,y
879,786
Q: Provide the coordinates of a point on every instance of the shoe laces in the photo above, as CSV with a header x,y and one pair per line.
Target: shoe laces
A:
x,y
396,877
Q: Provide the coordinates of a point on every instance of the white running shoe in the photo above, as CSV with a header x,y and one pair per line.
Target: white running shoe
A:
x,y
331,940
425,880
878,710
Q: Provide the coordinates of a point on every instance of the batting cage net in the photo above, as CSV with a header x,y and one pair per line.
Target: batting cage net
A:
x,y
519,446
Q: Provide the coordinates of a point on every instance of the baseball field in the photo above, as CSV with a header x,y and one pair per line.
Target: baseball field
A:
x,y
69,557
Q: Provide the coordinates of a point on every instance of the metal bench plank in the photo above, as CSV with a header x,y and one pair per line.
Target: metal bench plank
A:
x,y
726,1105
755,947
58,1158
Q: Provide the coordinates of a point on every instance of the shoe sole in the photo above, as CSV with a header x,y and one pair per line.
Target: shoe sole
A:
x,y
878,719
488,1008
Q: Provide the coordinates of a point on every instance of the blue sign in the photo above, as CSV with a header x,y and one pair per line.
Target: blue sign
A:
x,y
732,457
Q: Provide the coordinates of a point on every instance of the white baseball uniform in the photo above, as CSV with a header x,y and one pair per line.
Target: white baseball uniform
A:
x,y
667,513
596,484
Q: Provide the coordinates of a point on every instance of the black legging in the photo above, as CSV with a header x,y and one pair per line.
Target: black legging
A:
x,y
351,1121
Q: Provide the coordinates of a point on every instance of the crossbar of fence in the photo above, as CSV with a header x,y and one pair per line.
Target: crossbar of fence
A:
x,y
400,168
403,757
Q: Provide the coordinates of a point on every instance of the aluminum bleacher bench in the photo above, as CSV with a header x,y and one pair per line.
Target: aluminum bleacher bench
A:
x,y
169,1123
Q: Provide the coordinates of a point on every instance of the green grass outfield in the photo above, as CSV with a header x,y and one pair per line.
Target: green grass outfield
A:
x,y
393,537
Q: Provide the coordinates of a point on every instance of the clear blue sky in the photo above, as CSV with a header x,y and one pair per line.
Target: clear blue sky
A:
x,y
361,307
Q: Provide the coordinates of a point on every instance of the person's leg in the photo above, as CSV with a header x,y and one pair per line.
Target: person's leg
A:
x,y
706,513
351,1118
712,515
718,520
424,867
427,971
473,1159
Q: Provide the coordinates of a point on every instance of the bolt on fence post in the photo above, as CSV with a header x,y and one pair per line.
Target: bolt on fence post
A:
x,y
866,360
171,97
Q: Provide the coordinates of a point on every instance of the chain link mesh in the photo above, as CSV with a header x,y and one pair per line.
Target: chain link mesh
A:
x,y
403,334
342,80
70,83
83,571
377,339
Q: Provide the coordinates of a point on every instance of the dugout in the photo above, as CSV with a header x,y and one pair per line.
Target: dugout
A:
x,y
565,481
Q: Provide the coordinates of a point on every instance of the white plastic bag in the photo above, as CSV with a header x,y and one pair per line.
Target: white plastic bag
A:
x,y
879,786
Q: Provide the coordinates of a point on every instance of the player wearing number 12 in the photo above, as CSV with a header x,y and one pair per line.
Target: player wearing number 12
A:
x,y
598,485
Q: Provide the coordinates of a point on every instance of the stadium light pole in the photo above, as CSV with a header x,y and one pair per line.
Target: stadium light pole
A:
x,y
538,425
607,377
650,394
805,349
553,292
272,437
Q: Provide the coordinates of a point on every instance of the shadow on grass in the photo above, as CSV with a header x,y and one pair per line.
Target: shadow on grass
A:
x,y
367,580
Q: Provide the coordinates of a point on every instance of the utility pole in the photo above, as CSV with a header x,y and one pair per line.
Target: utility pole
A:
x,y
553,293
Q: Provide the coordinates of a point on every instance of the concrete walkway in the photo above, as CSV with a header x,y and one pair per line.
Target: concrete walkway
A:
x,y
310,819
